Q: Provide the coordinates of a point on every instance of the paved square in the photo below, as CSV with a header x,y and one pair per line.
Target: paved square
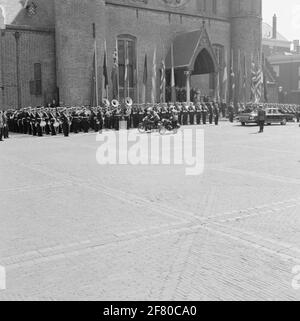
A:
x,y
74,230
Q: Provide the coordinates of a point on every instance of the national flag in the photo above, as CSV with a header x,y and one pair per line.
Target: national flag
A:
x,y
256,82
115,73
232,76
173,89
153,90
225,79
265,80
145,79
105,75
126,76
163,82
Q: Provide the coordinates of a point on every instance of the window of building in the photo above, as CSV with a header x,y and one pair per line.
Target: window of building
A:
x,y
299,84
36,84
127,66
276,69
214,6
299,71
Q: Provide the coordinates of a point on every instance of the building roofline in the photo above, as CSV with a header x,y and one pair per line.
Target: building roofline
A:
x,y
281,59
29,28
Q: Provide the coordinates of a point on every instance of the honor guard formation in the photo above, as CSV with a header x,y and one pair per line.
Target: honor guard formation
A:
x,y
53,120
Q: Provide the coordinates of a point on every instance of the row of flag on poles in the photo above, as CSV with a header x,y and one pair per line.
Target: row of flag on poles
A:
x,y
240,77
115,77
238,85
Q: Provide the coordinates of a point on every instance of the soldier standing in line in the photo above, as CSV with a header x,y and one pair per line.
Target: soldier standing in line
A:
x,y
231,112
5,130
216,113
192,113
198,113
204,112
64,118
185,112
223,108
135,116
1,125
210,112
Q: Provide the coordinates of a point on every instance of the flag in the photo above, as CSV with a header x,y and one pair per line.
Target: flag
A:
x,y
218,87
126,77
265,80
232,76
145,79
163,82
173,89
225,79
245,80
153,90
115,73
105,75
256,82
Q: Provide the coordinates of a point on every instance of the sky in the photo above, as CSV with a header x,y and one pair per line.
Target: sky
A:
x,y
288,13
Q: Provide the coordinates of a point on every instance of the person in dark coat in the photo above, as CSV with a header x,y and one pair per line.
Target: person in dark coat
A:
x,y
261,117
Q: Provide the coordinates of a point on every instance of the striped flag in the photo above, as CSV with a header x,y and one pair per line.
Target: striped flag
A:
x,y
256,83
145,79
153,90
163,82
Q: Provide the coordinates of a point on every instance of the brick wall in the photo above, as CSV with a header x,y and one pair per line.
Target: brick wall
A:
x,y
34,47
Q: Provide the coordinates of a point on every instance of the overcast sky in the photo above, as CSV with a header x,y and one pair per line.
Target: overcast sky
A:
x,y
288,12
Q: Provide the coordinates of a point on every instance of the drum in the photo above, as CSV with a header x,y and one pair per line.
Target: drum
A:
x,y
56,124
42,123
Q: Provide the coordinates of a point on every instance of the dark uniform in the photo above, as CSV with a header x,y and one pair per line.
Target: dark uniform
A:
x,y
261,116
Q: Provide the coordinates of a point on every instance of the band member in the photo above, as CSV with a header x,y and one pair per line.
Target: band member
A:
x,y
198,113
99,120
216,112
185,113
192,113
210,112
65,120
223,108
231,112
204,112
135,116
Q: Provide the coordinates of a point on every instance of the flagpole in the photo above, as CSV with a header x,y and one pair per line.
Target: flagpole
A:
x,y
137,76
106,87
96,64
173,92
118,74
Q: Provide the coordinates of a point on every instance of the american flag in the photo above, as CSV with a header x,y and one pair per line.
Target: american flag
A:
x,y
256,83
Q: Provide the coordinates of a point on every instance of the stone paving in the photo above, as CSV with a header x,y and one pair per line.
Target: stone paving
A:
x,y
74,230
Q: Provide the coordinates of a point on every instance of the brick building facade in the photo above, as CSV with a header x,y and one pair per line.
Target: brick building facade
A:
x,y
47,48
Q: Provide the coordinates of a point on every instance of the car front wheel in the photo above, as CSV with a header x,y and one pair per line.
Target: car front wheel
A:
x,y
283,123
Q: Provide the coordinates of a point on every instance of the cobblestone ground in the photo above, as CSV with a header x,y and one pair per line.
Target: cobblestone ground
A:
x,y
72,229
